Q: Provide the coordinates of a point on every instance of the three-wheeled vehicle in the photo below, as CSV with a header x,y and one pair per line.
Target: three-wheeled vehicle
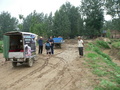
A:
x,y
20,47
58,41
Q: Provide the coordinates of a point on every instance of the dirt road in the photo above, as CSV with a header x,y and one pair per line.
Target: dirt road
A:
x,y
63,71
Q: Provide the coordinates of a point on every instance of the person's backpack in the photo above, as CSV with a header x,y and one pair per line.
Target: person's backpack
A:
x,y
47,46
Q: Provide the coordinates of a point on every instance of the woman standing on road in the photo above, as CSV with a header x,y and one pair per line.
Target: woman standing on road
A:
x,y
48,49
51,41
80,46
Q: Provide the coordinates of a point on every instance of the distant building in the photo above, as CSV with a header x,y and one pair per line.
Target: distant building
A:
x,y
115,34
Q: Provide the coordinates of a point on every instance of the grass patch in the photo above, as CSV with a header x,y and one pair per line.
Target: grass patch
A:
x,y
107,85
116,45
102,44
96,49
102,66
100,72
115,40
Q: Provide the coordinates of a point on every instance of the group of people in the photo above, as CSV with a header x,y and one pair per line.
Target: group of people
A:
x,y
48,46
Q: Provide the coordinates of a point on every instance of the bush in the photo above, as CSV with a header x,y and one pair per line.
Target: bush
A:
x,y
102,44
108,34
116,45
98,51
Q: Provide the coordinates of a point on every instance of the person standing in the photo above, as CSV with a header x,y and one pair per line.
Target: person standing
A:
x,y
51,41
80,46
48,49
40,42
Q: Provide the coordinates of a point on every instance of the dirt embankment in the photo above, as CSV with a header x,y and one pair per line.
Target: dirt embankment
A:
x,y
63,71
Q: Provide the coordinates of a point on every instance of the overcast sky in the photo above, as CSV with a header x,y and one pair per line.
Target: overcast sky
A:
x,y
25,7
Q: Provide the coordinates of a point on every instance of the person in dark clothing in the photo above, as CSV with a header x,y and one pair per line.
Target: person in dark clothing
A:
x,y
47,47
51,41
40,42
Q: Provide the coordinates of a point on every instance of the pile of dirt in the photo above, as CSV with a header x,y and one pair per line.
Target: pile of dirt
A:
x,y
115,52
104,39
71,41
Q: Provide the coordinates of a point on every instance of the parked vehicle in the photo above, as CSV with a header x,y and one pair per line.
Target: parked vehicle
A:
x,y
58,41
20,47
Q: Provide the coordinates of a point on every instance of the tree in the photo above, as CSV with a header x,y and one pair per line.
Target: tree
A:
x,y
68,21
20,25
7,23
113,8
48,21
32,19
61,24
92,11
75,19
108,33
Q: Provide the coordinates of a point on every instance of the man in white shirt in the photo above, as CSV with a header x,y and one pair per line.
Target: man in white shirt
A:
x,y
80,46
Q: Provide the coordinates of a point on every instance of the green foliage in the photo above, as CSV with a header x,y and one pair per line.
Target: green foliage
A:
x,y
116,45
92,55
108,33
93,13
7,23
99,72
61,24
66,23
20,26
113,7
107,85
103,66
98,51
103,44
1,46
113,10
115,40
94,48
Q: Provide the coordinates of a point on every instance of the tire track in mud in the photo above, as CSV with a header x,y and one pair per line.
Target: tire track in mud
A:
x,y
37,70
60,74
30,74
49,70
33,72
55,79
58,77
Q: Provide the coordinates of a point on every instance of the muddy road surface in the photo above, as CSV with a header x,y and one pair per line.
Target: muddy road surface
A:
x,y
62,71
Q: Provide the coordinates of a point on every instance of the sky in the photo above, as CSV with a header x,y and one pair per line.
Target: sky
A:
x,y
25,7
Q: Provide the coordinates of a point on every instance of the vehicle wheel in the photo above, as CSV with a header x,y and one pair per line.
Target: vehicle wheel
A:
x,y
30,62
14,64
60,46
34,59
21,63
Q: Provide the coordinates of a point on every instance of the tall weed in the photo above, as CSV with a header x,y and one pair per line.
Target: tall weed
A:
x,y
103,44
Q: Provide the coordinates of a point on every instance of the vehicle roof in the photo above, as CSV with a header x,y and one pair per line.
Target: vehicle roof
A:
x,y
18,33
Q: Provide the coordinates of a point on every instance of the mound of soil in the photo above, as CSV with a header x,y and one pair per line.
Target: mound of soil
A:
x,y
115,52
104,39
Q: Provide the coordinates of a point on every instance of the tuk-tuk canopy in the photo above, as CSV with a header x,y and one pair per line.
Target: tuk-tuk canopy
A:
x,y
18,33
